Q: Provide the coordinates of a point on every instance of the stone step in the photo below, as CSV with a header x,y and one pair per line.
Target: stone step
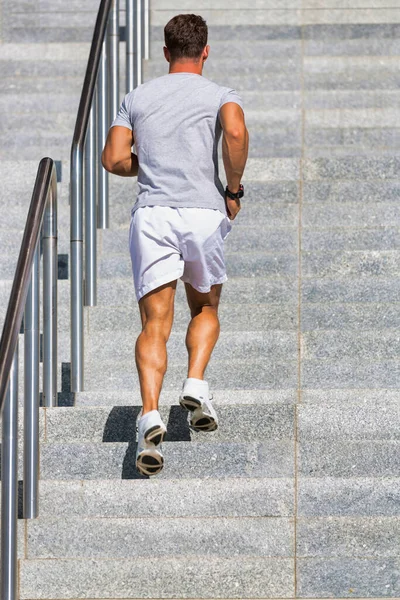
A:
x,y
183,460
246,345
247,422
355,316
99,538
227,374
123,538
231,397
124,498
233,317
176,577
244,423
119,346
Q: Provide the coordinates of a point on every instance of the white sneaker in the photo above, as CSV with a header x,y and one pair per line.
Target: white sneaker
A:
x,y
151,432
195,398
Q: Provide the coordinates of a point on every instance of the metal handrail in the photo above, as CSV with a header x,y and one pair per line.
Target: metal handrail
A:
x,y
96,55
41,225
95,113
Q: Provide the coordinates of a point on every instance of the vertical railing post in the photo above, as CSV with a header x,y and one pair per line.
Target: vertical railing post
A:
x,y
50,277
103,124
91,211
9,487
76,274
130,45
113,39
146,29
138,32
31,392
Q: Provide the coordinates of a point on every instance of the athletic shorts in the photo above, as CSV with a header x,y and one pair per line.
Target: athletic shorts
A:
x,y
177,243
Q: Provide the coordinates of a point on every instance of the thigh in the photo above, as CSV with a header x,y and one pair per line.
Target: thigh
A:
x,y
155,256
198,300
203,248
158,307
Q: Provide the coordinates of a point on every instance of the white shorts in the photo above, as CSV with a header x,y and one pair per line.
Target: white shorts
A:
x,y
170,243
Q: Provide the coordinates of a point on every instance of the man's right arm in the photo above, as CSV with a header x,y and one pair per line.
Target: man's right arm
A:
x,y
117,156
235,144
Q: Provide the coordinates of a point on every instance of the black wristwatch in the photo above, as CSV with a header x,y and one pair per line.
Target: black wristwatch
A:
x,y
236,196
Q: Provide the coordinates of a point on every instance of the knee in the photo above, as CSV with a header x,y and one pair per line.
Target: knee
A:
x,y
208,310
159,329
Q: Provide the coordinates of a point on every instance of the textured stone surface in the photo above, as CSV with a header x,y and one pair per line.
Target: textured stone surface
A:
x,y
262,497
229,374
168,397
372,398
118,424
343,577
246,345
366,345
351,215
371,289
358,497
354,316
184,460
359,458
349,422
375,239
129,538
348,536
347,191
175,577
351,373
233,317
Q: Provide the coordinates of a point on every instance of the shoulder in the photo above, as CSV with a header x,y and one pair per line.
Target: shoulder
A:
x,y
224,94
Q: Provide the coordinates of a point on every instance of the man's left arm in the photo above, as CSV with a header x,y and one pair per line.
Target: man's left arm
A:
x,y
117,156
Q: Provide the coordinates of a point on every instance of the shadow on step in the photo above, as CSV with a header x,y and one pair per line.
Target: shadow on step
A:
x,y
121,427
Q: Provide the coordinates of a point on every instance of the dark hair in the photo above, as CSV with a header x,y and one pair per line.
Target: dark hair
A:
x,y
186,36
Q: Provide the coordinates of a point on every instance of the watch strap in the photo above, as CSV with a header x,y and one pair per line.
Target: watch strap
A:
x,y
235,196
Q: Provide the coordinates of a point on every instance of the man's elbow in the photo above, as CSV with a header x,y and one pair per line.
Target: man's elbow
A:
x,y
106,162
236,134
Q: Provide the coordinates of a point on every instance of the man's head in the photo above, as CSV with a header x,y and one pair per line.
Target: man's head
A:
x,y
186,39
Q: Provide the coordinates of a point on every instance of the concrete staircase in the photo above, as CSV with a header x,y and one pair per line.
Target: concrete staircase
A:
x,y
297,495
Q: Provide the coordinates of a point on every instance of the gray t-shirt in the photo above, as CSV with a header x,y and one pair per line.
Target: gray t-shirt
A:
x,y
176,126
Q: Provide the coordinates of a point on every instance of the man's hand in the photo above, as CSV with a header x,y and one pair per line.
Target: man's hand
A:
x,y
235,144
232,207
117,156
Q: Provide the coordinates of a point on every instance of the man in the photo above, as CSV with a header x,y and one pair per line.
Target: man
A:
x,y
181,217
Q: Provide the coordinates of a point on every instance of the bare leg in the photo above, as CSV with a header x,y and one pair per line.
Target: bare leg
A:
x,y
157,313
203,330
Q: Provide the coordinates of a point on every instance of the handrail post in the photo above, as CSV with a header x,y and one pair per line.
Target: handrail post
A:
x,y
113,39
133,43
146,29
50,277
138,42
103,124
130,45
31,392
9,487
91,211
77,374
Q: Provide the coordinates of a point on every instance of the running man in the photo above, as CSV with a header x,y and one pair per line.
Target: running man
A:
x,y
181,217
